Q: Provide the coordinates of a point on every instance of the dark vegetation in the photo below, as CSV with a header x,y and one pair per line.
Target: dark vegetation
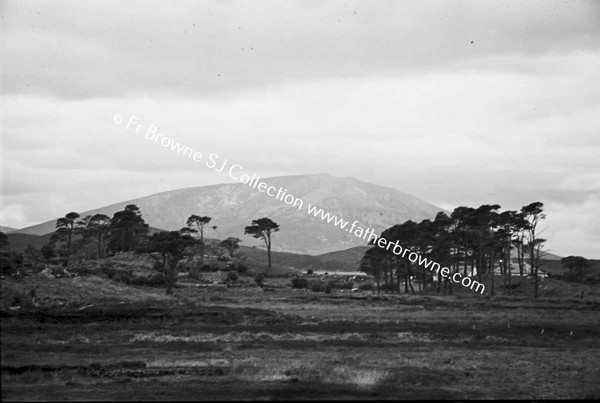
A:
x,y
470,241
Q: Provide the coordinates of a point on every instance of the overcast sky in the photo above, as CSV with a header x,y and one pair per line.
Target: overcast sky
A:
x,y
456,102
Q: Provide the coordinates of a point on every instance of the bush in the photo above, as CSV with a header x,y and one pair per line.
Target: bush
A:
x,y
242,268
259,279
81,270
341,284
315,286
366,287
298,282
14,297
156,280
208,267
138,280
122,277
10,261
232,276
108,269
310,272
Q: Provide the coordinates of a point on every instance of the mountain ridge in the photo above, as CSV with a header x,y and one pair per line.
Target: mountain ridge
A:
x,y
232,206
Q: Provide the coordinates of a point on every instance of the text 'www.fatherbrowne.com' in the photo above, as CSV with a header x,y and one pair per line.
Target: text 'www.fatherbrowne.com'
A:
x,y
237,172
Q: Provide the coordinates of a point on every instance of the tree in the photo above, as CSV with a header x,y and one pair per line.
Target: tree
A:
x,y
100,226
4,244
31,253
577,265
126,229
533,214
259,279
9,259
373,262
167,249
48,251
263,228
84,229
231,244
196,224
66,227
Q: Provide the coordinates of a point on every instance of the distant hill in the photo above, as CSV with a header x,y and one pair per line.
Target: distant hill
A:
x,y
7,230
343,260
234,206
18,242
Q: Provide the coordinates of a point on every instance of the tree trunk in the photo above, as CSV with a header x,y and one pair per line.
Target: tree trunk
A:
x,y
202,246
69,247
492,275
269,255
412,290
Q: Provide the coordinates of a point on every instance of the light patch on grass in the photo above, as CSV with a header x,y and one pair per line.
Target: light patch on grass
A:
x,y
245,337
326,372
361,377
413,337
171,363
496,339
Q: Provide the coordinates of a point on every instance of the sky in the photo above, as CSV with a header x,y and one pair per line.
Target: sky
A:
x,y
456,102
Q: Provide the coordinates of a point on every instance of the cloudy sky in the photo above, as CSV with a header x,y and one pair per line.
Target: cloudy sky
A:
x,y
456,102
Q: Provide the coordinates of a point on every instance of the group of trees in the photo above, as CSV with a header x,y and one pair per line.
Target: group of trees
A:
x,y
468,241
168,248
96,235
99,235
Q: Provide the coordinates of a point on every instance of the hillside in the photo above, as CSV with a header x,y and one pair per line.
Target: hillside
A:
x,y
7,230
18,242
234,206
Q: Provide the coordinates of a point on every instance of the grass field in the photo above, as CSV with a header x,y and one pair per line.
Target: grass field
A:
x,y
89,338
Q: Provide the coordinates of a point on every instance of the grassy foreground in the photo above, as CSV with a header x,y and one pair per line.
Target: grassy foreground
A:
x,y
89,338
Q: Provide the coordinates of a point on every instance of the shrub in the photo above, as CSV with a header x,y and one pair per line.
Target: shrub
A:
x,y
298,282
341,284
10,261
208,267
242,268
138,280
259,279
315,286
194,275
81,270
310,272
156,280
14,297
122,277
232,276
108,269
366,287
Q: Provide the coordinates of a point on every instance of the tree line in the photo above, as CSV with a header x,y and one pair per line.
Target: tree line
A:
x,y
99,236
470,241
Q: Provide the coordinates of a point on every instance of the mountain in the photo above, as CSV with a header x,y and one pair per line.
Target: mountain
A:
x,y
234,206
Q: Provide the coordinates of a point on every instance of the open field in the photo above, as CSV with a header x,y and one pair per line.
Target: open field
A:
x,y
105,340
